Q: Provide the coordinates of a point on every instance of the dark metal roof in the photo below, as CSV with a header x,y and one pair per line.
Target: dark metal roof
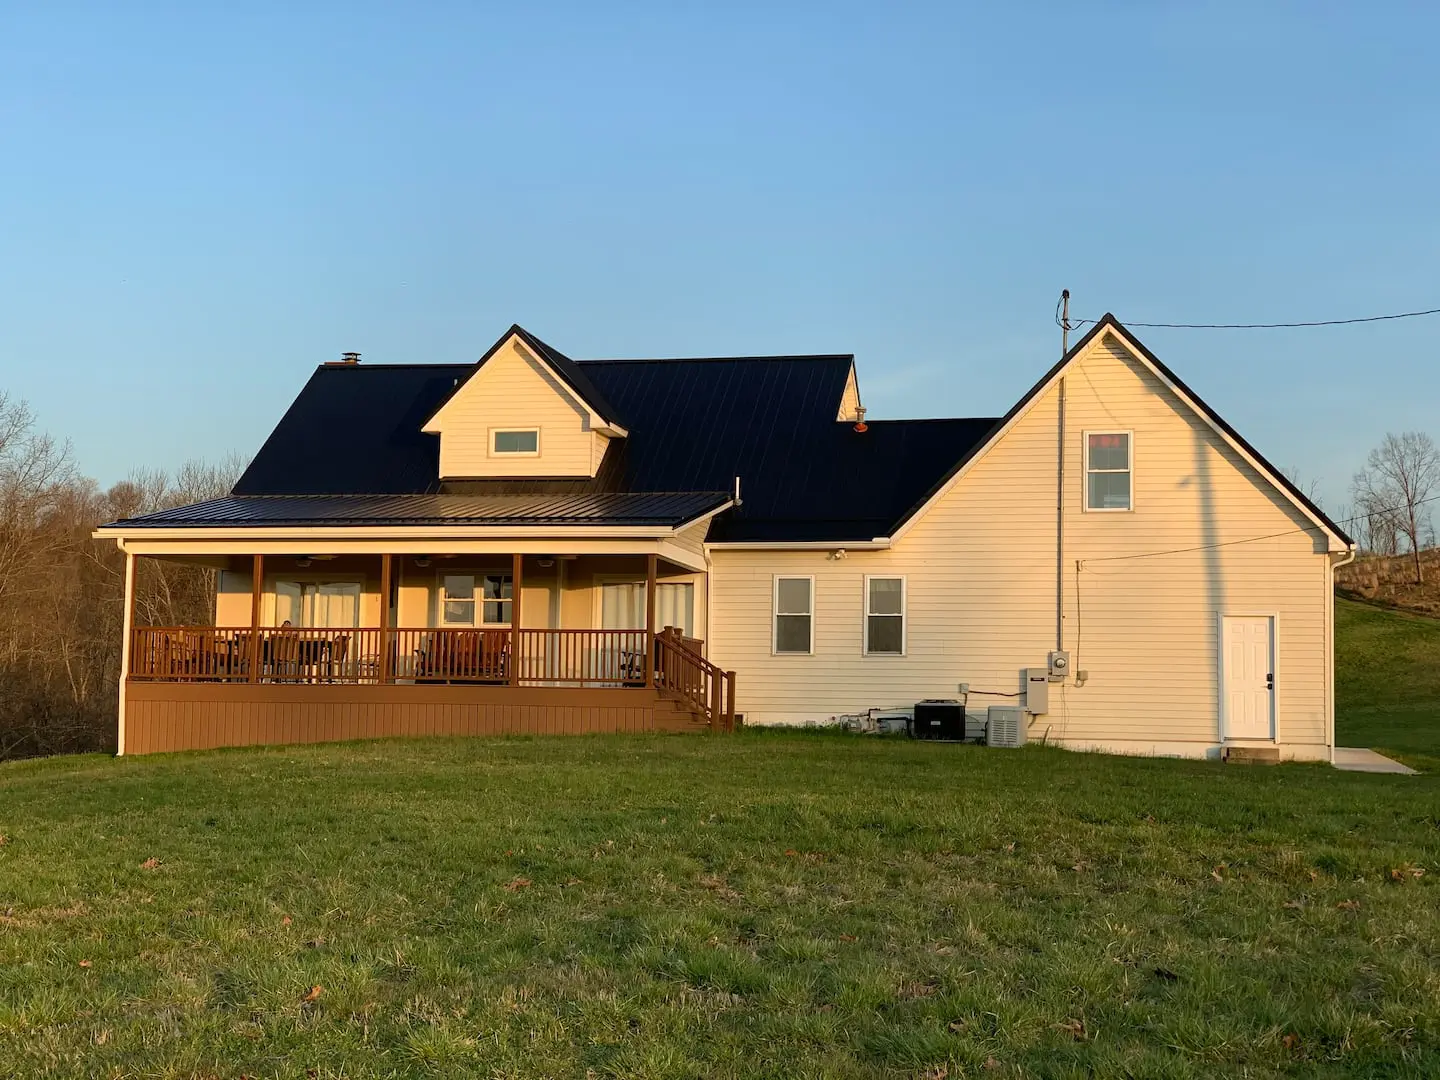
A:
x,y
694,425
667,509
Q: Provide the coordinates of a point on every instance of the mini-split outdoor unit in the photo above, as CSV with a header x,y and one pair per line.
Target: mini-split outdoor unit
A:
x,y
1006,725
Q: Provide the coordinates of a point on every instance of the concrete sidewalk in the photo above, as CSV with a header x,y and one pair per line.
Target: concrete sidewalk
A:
x,y
1355,759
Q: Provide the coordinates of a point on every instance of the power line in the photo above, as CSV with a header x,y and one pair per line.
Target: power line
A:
x,y
1252,539
1077,323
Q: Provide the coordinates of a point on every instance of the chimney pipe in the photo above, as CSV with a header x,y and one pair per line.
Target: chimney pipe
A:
x,y
860,425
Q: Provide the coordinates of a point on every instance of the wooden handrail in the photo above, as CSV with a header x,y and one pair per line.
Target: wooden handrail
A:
x,y
496,655
703,685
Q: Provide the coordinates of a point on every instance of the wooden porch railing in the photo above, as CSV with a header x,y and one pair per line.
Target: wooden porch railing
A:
x,y
213,654
703,686
309,654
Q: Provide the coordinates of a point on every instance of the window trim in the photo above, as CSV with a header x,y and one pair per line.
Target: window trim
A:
x,y
494,431
478,599
904,615
1085,471
775,614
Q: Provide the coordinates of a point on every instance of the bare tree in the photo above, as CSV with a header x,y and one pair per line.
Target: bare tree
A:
x,y
1394,489
1309,488
61,591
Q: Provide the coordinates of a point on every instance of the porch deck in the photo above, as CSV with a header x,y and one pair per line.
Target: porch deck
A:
x,y
201,687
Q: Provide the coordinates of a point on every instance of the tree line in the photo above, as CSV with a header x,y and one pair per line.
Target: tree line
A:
x,y
62,592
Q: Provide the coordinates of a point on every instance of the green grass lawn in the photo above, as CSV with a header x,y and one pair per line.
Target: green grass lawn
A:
x,y
761,905
1387,682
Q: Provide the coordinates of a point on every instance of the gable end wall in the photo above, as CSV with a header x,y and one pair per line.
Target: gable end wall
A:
x,y
513,390
981,579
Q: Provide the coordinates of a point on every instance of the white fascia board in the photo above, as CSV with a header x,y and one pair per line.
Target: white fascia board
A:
x,y
395,532
700,518
879,543
405,532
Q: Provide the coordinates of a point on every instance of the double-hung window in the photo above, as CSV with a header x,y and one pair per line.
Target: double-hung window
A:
x,y
794,615
463,596
1108,464
884,616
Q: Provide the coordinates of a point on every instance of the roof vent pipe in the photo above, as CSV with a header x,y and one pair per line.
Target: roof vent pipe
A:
x,y
860,425
350,358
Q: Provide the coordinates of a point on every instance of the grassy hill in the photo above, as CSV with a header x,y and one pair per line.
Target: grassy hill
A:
x,y
1387,682
783,905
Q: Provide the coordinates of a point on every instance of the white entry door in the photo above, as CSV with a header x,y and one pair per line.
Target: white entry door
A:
x,y
1247,677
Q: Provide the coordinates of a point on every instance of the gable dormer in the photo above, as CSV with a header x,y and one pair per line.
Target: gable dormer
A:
x,y
524,410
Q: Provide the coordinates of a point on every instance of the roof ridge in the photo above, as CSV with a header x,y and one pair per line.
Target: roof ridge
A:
x,y
926,420
332,366
714,359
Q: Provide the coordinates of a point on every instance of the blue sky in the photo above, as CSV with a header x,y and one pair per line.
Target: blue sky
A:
x,y
198,203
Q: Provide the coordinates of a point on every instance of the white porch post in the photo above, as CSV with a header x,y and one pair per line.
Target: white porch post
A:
x,y
128,624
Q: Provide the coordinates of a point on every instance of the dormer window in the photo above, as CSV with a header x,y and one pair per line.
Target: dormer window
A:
x,y
515,442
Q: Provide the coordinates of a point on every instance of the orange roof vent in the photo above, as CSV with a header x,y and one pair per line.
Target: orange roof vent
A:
x,y
860,426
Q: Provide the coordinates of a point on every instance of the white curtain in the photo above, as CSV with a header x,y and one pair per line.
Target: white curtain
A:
x,y
289,603
622,606
331,604
675,606
336,604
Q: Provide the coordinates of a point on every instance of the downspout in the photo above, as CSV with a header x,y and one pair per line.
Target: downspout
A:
x,y
1330,640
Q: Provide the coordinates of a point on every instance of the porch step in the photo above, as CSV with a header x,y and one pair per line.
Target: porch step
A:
x,y
1252,755
673,713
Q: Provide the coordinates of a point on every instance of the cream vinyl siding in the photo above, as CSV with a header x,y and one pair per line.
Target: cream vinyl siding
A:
x,y
981,568
514,391
850,399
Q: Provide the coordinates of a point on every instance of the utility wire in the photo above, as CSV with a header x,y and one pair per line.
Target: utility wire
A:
x,y
1253,539
1077,323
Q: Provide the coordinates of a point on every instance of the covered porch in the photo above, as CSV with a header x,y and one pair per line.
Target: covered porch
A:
x,y
337,643
582,620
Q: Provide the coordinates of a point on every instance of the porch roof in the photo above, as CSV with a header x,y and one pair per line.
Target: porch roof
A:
x,y
619,509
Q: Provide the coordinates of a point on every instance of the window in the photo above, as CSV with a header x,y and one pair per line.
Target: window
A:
x,y
458,599
317,603
884,616
622,606
675,606
794,614
523,441
1107,470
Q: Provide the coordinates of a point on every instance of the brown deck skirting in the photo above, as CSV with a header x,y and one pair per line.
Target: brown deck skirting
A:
x,y
162,717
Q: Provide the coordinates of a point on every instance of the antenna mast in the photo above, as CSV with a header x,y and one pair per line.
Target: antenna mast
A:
x,y
1064,321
